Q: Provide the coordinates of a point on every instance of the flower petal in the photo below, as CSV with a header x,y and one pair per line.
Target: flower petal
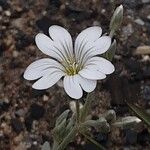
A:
x,y
92,74
86,84
47,46
98,47
48,80
102,44
41,67
85,38
62,39
72,88
101,64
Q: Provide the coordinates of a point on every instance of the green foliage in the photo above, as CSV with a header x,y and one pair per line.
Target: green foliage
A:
x,y
111,52
116,19
46,146
140,113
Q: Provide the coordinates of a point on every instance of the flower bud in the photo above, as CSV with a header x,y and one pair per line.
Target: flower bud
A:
x,y
116,19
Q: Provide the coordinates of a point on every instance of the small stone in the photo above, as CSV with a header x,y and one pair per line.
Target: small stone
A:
x,y
34,142
142,50
36,111
139,21
17,125
145,58
15,54
148,17
7,13
1,9
45,98
145,1
131,136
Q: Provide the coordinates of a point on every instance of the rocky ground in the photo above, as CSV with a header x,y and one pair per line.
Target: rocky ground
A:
x,y
27,116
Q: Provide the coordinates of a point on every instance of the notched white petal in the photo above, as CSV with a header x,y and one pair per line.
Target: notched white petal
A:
x,y
72,88
101,64
48,80
102,44
86,38
62,39
86,84
93,74
40,68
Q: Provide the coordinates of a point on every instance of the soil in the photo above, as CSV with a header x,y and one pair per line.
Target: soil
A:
x,y
27,116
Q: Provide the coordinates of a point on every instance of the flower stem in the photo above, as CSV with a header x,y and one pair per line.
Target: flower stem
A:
x,y
77,111
93,141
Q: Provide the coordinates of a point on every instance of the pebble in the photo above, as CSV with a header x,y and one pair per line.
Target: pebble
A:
x,y
7,13
142,50
145,1
45,98
148,17
139,21
15,54
1,9
36,111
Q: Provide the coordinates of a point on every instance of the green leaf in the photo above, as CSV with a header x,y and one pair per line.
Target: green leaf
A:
x,y
140,113
111,52
86,108
127,122
116,19
63,116
46,146
59,131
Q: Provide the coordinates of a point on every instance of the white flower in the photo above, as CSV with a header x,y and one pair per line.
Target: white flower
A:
x,y
80,66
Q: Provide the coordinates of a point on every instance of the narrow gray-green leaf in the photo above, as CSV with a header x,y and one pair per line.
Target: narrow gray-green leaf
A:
x,y
140,113
46,146
63,116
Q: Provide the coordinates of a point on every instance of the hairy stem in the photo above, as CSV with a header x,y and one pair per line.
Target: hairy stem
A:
x,y
77,111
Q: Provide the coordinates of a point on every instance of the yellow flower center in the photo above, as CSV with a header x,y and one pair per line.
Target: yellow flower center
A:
x,y
72,68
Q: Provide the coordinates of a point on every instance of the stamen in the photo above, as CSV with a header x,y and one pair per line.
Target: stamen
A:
x,y
72,68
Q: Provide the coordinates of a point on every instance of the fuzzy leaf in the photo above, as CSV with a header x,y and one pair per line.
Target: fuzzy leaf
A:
x,y
63,116
46,146
85,109
116,19
111,52
140,113
127,122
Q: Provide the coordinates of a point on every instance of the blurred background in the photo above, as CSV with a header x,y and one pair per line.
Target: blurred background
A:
x,y
27,116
